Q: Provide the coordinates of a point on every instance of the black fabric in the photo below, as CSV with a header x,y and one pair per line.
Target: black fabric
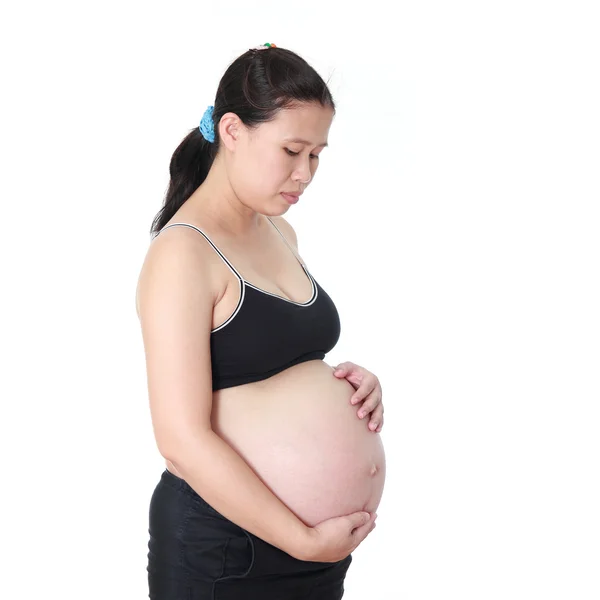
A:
x,y
195,553
266,333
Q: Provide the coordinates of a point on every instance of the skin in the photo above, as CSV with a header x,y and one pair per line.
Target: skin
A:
x,y
245,181
244,184
253,167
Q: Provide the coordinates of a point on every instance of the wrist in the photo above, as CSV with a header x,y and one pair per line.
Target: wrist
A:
x,y
302,544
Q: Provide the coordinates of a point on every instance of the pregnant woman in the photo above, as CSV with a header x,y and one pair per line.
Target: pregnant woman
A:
x,y
272,477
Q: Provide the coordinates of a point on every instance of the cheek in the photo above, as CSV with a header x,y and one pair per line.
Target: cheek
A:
x,y
264,173
253,168
263,176
273,170
274,162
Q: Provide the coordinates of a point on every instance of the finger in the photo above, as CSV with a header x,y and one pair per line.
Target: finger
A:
x,y
360,533
372,400
376,417
380,426
341,369
361,393
366,387
360,518
373,525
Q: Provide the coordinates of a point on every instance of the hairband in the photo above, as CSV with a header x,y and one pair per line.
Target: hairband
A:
x,y
207,127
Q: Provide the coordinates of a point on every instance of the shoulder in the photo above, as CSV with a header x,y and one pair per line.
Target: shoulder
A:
x,y
180,260
287,230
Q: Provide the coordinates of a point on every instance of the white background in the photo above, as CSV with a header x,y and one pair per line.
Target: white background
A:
x,y
454,220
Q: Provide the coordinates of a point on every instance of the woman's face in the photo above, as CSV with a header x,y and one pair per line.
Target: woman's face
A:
x,y
267,160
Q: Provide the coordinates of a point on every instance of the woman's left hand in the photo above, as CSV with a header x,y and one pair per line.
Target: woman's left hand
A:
x,y
368,391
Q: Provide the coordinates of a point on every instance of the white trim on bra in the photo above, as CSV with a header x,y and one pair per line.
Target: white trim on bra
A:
x,y
244,283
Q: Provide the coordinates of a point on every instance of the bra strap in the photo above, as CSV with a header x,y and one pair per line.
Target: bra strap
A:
x,y
288,244
209,241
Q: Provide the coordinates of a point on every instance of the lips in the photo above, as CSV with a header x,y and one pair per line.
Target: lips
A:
x,y
292,198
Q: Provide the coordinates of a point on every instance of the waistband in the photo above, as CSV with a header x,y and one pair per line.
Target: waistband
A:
x,y
180,485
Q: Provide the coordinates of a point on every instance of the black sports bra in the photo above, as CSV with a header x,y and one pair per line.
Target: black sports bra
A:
x,y
267,333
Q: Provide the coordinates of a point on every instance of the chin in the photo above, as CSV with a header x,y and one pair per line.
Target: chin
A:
x,y
282,206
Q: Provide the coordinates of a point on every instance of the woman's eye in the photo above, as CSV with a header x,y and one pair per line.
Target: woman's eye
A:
x,y
296,153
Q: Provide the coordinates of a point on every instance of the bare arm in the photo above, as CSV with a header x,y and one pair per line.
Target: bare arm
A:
x,y
220,475
176,296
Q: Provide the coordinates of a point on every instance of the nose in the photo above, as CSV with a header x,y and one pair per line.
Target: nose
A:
x,y
303,174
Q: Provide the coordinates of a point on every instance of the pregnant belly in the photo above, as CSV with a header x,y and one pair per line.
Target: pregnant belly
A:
x,y
299,433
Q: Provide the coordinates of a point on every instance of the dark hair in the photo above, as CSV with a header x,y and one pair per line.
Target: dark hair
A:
x,y
256,86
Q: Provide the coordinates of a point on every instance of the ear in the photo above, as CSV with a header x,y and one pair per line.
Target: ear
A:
x,y
229,130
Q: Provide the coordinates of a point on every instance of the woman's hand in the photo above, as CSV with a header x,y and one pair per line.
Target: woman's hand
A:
x,y
334,539
368,391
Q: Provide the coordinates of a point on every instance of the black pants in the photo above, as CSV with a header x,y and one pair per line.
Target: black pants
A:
x,y
195,553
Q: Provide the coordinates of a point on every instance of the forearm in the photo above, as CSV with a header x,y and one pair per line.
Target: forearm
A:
x,y
223,478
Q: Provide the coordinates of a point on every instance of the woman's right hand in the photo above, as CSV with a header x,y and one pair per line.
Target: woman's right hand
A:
x,y
334,539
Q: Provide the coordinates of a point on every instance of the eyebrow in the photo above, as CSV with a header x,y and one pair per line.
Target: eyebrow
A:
x,y
301,141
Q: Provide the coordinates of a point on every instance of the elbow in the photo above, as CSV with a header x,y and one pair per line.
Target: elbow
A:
x,y
178,448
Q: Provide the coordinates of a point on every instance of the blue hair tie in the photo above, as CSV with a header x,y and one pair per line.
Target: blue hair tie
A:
x,y
207,128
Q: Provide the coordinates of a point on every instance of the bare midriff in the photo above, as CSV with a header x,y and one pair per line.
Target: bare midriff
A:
x,y
301,435
297,430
